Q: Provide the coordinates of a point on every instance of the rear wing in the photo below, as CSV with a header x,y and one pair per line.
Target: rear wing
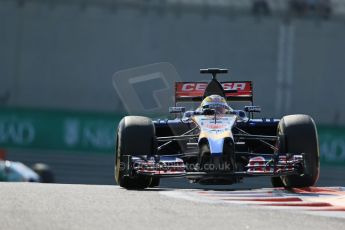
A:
x,y
194,91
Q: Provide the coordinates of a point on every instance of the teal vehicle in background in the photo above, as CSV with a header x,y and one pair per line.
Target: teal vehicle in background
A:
x,y
11,171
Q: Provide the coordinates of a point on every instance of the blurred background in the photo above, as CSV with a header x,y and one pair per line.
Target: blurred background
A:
x,y
64,66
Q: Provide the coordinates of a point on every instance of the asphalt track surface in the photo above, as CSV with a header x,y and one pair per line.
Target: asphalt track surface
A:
x,y
175,205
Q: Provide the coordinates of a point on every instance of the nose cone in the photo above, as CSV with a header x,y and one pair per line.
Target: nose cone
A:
x,y
215,130
216,146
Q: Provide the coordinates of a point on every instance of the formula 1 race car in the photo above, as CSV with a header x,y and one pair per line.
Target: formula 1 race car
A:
x,y
12,171
215,144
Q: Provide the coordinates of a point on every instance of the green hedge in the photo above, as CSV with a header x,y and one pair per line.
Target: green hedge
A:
x,y
332,144
95,132
57,130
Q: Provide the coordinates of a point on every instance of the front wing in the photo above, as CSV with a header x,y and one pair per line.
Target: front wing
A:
x,y
282,164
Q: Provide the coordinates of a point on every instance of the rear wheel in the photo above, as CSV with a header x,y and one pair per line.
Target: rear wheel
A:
x,y
135,136
277,182
298,134
45,173
154,182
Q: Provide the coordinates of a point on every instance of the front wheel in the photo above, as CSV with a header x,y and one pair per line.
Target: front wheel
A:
x,y
135,137
298,134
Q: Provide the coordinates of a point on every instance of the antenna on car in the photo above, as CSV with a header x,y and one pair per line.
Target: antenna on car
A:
x,y
214,71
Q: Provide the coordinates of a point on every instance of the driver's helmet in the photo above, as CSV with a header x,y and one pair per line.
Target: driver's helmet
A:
x,y
217,103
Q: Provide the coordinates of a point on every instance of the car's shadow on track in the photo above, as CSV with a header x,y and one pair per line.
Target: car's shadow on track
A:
x,y
170,184
330,177
165,189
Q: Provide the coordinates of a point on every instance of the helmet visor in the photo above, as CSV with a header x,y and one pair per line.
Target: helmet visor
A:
x,y
220,108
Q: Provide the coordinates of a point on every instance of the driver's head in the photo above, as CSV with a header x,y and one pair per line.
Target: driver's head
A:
x,y
215,102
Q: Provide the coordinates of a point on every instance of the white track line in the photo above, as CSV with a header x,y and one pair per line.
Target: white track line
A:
x,y
310,202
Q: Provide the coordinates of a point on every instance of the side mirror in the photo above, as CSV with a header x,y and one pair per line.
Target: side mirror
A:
x,y
252,109
177,109
189,114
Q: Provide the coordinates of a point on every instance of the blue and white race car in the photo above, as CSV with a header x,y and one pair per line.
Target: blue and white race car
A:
x,y
214,143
